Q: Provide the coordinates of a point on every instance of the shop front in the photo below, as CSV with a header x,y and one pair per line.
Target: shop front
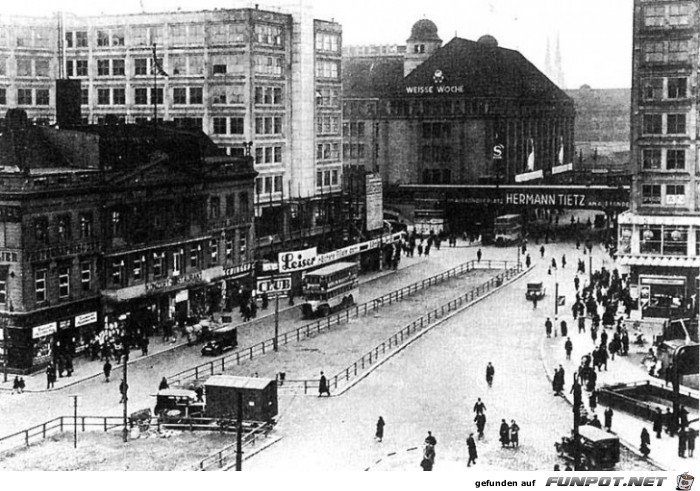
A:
x,y
666,296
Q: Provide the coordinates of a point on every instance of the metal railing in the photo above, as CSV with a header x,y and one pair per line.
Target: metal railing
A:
x,y
219,459
60,424
399,338
219,365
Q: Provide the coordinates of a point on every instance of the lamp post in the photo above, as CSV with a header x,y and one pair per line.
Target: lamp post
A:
x,y
5,320
75,419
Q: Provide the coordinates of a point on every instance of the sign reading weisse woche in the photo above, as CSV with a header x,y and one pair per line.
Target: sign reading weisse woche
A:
x,y
85,319
44,330
435,89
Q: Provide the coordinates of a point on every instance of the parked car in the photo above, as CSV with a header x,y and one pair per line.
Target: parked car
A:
x,y
221,340
535,291
598,449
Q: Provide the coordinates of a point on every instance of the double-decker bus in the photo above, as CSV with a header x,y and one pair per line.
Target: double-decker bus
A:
x,y
329,287
507,229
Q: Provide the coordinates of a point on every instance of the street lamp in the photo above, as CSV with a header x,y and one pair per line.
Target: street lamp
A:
x,y
75,419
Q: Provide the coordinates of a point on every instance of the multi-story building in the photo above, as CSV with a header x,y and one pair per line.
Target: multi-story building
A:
x,y
246,77
659,239
99,222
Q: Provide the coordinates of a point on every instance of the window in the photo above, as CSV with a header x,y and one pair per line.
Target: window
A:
x,y
141,96
41,228
3,97
278,184
651,159
103,96
218,95
177,263
228,245
102,38
3,66
63,228
651,194
24,67
141,66
41,67
84,97
675,124
652,124
328,97
214,251
677,88
102,68
137,271
277,154
675,194
196,64
214,207
650,239
326,42
220,126
42,97
194,256
63,282
675,241
24,97
678,50
243,202
218,69
81,68
3,290
118,97
230,205
334,178
116,273
40,285
269,35
157,96
654,51
269,125
678,15
81,39
158,264
237,126
116,224
327,69
243,245
654,16
269,65
195,95
179,95
675,159
118,68
319,179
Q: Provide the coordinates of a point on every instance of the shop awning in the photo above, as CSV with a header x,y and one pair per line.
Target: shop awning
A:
x,y
660,261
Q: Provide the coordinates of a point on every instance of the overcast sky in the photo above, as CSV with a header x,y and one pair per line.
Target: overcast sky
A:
x,y
595,35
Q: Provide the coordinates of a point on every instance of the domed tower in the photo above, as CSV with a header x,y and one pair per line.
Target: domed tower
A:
x,y
424,41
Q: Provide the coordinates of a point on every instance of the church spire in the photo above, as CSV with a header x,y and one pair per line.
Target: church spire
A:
x,y
559,71
548,61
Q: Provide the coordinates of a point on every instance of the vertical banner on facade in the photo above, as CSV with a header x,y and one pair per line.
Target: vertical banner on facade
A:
x,y
374,203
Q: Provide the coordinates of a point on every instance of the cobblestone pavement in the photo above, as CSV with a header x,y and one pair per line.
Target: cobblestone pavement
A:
x,y
432,385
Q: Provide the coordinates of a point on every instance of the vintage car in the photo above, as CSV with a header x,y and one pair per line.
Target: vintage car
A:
x,y
535,290
598,449
221,340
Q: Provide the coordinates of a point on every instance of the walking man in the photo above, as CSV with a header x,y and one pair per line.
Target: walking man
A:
x,y
480,421
658,422
107,369
503,433
123,389
478,256
568,347
548,327
489,374
323,386
608,414
471,446
479,407
541,251
514,431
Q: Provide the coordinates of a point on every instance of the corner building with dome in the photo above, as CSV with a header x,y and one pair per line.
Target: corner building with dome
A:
x,y
466,112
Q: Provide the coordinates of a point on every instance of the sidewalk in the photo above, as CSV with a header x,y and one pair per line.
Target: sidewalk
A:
x,y
664,451
86,369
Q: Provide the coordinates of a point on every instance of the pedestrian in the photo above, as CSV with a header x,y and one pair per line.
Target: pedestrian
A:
x,y
504,433
22,385
430,440
420,249
379,434
323,386
554,263
123,389
683,416
480,421
682,442
528,261
658,422
489,374
265,300
670,421
564,329
478,256
479,406
514,433
471,447
107,369
199,392
548,327
563,261
163,384
568,347
608,414
541,251
144,346
577,282
691,436
593,400
594,333
595,422
428,458
645,441
15,385
50,376
581,324
69,365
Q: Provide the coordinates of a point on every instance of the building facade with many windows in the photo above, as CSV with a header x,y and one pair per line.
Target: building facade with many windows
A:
x,y
105,223
252,78
659,239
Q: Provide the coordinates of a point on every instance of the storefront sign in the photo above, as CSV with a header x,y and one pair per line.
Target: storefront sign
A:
x,y
546,199
174,281
297,260
63,325
274,285
662,280
237,270
44,330
182,296
85,319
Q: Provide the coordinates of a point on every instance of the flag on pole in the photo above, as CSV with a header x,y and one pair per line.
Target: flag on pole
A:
x,y
157,67
561,300
530,155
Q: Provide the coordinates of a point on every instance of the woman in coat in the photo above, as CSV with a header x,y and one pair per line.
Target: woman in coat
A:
x,y
380,429
504,433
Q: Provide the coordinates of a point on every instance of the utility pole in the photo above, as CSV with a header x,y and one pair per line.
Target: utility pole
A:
x,y
126,390
577,416
4,348
239,434
277,321
75,419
